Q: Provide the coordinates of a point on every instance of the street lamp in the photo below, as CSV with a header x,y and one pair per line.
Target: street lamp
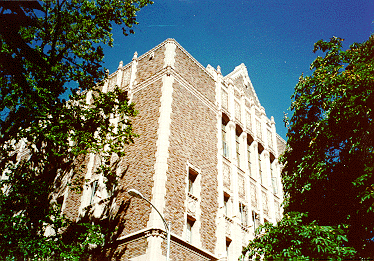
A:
x,y
137,194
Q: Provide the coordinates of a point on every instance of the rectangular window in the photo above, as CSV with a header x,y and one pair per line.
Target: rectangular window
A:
x,y
94,187
225,146
237,148
259,166
191,180
228,243
226,204
189,230
256,221
273,178
243,214
249,159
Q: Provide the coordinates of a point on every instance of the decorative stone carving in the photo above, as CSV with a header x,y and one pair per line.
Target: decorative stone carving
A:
x,y
241,185
155,232
219,69
258,129
248,120
226,175
247,103
258,113
270,138
126,78
265,203
277,210
237,111
135,57
254,201
225,99
228,224
236,94
191,204
112,82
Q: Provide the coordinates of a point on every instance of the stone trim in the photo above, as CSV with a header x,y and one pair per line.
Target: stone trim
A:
x,y
180,80
174,239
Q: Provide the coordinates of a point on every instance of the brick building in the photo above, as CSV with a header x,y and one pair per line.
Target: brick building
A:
x,y
207,158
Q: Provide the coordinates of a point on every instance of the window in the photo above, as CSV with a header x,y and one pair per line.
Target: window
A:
x,y
243,214
255,220
225,146
189,228
94,187
274,182
259,166
249,159
237,141
191,180
228,243
226,204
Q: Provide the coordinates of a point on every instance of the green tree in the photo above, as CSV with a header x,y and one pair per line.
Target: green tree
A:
x,y
44,138
293,237
328,164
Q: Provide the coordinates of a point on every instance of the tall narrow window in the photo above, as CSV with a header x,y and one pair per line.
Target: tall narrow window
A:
x,y
225,146
256,221
191,180
243,214
226,204
274,183
237,141
189,229
228,243
94,187
249,159
259,166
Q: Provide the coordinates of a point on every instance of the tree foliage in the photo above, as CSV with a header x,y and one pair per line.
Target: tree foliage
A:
x,y
292,238
329,162
43,138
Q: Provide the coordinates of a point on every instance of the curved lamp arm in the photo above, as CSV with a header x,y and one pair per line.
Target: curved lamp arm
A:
x,y
137,194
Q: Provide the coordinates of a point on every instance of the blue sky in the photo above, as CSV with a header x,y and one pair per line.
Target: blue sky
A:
x,y
273,38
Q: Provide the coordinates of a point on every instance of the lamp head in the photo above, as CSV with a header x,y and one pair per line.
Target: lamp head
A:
x,y
135,193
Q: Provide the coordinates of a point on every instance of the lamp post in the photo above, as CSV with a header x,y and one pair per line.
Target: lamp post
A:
x,y
137,194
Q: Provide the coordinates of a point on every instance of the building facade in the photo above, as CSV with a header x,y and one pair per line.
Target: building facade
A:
x,y
207,159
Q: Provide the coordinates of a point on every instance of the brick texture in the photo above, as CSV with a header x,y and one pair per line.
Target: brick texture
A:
x,y
147,68
193,138
138,164
194,75
131,249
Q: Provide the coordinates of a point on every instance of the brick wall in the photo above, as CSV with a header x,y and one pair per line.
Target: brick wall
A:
x,y
131,249
179,252
139,161
146,67
192,138
194,75
73,199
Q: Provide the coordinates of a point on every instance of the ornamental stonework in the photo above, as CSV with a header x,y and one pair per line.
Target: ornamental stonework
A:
x,y
236,94
126,78
270,138
258,129
237,111
112,82
248,120
191,205
257,112
226,175
241,185
225,99
277,211
254,201
265,203
247,104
